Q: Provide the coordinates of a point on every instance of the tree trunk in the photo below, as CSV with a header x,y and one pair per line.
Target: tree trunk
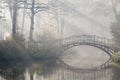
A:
x,y
14,18
32,21
23,21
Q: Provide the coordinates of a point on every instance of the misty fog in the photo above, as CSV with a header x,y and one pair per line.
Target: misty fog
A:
x,y
35,31
69,17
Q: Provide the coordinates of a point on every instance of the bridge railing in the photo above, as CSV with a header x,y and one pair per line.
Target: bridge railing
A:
x,y
85,39
99,42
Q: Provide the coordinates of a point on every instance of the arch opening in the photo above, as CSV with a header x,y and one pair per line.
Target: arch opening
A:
x,y
96,55
104,48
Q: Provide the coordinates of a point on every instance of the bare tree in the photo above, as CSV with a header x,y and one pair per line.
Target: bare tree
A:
x,y
14,6
115,27
14,17
32,20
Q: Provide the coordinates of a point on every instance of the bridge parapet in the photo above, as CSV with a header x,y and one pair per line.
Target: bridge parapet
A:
x,y
85,39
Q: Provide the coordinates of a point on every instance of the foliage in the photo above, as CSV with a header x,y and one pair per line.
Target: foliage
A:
x,y
42,54
45,47
116,57
13,50
116,61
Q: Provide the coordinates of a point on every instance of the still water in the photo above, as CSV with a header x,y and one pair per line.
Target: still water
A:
x,y
63,74
82,59
34,73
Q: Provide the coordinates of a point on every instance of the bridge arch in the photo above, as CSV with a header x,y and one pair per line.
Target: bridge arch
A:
x,y
106,49
102,43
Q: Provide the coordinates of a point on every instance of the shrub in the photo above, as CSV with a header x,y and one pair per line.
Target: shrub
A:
x,y
116,57
13,50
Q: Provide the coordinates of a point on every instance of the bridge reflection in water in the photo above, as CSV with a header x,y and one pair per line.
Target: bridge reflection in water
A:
x,y
58,73
64,74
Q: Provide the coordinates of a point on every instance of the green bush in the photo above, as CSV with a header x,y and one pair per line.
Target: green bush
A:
x,y
116,57
116,60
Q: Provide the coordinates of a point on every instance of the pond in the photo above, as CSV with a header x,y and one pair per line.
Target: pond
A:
x,y
81,61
